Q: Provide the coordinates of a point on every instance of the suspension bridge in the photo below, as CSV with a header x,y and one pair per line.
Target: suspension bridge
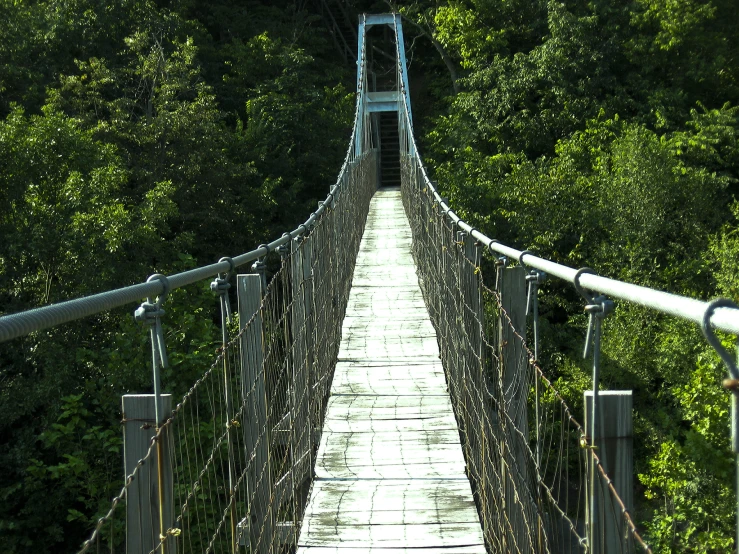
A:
x,y
380,392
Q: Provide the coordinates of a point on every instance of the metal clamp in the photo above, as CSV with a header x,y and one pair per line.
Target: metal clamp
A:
x,y
534,278
221,284
311,224
284,249
231,268
600,308
597,306
500,264
260,268
150,313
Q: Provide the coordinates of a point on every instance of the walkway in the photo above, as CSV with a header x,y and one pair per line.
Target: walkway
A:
x,y
389,471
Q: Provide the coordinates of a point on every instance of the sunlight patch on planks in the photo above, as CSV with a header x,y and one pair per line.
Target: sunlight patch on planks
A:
x,y
390,474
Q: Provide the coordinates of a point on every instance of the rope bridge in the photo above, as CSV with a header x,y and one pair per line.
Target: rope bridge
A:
x,y
229,466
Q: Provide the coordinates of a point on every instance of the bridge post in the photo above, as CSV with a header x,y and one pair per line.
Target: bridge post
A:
x,y
256,432
301,443
452,294
520,506
477,379
614,447
311,327
142,497
465,276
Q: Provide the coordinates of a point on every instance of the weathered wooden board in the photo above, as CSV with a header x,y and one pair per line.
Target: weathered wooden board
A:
x,y
394,536
411,379
377,225
399,508
363,327
381,277
391,455
412,348
372,260
388,413
386,293
399,304
387,407
386,275
444,421
388,311
392,514
476,549
416,443
383,234
390,473
386,241
366,336
399,386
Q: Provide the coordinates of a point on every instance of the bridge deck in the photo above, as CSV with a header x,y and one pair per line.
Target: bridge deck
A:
x,y
389,471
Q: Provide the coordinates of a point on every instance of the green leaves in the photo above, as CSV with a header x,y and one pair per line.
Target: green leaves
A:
x,y
138,138
60,192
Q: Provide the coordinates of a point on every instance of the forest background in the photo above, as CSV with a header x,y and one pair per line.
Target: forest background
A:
x,y
144,136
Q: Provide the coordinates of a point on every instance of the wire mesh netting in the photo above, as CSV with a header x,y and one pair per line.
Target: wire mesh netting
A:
x,y
527,457
233,460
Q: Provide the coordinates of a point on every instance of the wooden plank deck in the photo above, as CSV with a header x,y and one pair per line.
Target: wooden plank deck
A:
x,y
389,470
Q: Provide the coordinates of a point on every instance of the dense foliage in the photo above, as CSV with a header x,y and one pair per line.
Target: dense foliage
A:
x,y
152,135
604,134
138,137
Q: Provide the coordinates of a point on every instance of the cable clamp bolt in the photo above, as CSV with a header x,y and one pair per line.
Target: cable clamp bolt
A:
x,y
150,313
220,286
284,249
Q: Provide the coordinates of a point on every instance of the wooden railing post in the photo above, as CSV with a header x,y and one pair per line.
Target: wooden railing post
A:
x,y
256,433
142,497
302,299
477,379
310,333
614,447
520,508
